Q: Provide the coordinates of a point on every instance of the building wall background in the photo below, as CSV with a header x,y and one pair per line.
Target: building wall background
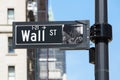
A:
x,y
18,5
19,57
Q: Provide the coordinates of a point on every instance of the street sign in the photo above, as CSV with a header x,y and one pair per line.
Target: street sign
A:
x,y
58,34
38,34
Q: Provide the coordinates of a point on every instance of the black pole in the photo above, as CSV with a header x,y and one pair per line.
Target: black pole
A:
x,y
101,47
101,11
101,34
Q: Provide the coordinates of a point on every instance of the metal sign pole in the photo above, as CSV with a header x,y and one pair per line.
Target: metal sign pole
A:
x,y
101,34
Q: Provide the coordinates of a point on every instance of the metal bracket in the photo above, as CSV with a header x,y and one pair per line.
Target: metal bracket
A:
x,y
101,32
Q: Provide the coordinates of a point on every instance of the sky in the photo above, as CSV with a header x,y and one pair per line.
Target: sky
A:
x,y
77,61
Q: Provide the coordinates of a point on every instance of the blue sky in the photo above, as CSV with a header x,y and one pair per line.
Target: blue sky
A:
x,y
78,67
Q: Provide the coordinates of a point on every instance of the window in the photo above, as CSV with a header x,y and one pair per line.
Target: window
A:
x,y
11,72
10,45
52,66
43,69
10,15
43,65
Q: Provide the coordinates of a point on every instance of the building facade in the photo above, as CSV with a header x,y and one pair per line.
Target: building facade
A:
x,y
21,64
52,61
52,64
13,62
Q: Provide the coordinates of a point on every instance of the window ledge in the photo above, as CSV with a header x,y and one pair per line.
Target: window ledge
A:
x,y
11,54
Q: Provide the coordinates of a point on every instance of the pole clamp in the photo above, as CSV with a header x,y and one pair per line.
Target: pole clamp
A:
x,y
101,32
